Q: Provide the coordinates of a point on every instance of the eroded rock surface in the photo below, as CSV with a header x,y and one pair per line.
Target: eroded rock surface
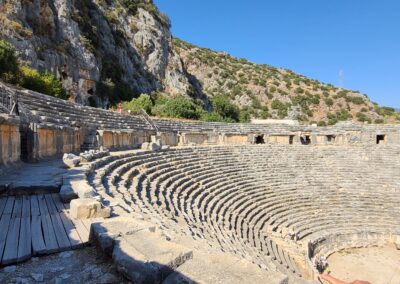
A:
x,y
85,43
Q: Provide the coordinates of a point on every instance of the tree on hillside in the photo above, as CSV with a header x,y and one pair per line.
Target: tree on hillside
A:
x,y
142,102
227,110
9,65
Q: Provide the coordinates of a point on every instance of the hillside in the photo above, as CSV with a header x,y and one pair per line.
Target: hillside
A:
x,y
107,51
269,92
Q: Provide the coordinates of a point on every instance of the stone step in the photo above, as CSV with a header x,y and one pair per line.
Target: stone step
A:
x,y
222,268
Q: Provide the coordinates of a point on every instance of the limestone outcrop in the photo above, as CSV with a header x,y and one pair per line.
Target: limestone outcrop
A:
x,y
92,44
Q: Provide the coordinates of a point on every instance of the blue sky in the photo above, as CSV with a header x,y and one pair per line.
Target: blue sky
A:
x,y
316,38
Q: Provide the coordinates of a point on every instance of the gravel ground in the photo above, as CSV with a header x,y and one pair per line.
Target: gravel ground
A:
x,y
87,265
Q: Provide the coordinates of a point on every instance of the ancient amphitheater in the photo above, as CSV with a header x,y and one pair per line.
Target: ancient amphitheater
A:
x,y
183,202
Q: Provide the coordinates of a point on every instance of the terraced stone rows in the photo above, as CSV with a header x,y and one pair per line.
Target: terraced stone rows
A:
x,y
52,110
238,196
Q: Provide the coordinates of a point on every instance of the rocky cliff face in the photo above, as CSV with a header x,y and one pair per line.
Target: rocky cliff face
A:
x,y
102,50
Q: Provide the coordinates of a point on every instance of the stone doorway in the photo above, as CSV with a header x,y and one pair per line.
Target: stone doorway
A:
x,y
259,139
305,140
380,139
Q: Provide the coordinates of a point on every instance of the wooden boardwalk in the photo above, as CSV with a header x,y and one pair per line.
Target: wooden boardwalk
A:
x,y
33,225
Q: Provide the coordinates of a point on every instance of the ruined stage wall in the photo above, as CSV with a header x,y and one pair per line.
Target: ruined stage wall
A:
x,y
10,145
118,140
54,142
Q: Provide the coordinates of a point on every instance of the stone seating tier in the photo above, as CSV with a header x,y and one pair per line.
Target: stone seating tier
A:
x,y
256,201
52,110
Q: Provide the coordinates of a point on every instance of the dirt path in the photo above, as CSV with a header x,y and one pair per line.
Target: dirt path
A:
x,y
376,265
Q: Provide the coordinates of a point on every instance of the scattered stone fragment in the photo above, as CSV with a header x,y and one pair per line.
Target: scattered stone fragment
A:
x,y
71,160
9,269
66,254
67,194
37,277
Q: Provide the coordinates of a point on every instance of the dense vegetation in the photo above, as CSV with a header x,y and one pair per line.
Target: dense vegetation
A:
x,y
13,71
162,105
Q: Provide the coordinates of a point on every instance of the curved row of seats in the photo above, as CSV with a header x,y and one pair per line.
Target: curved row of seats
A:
x,y
262,202
187,126
52,110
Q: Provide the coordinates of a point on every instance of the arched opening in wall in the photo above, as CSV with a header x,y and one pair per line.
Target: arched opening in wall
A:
x,y
92,102
330,138
291,139
380,139
259,139
305,140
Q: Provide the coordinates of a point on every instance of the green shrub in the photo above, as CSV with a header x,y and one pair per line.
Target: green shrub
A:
x,y
329,102
282,113
45,83
244,115
265,114
211,117
379,121
321,123
179,107
299,90
142,102
9,65
362,117
222,105
355,100
332,121
277,104
343,115
385,111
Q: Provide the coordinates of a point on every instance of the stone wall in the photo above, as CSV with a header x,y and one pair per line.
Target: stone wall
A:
x,y
10,145
193,138
235,139
117,140
54,142
169,138
278,139
342,133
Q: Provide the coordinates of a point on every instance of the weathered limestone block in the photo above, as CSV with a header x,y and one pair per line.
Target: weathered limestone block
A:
x,y
147,258
104,233
152,146
90,155
85,208
67,194
82,188
145,146
71,160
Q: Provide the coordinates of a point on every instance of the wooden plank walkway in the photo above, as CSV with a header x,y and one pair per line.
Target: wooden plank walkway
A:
x,y
36,225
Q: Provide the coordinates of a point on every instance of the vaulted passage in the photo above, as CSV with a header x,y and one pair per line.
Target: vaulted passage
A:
x,y
259,139
380,139
305,140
